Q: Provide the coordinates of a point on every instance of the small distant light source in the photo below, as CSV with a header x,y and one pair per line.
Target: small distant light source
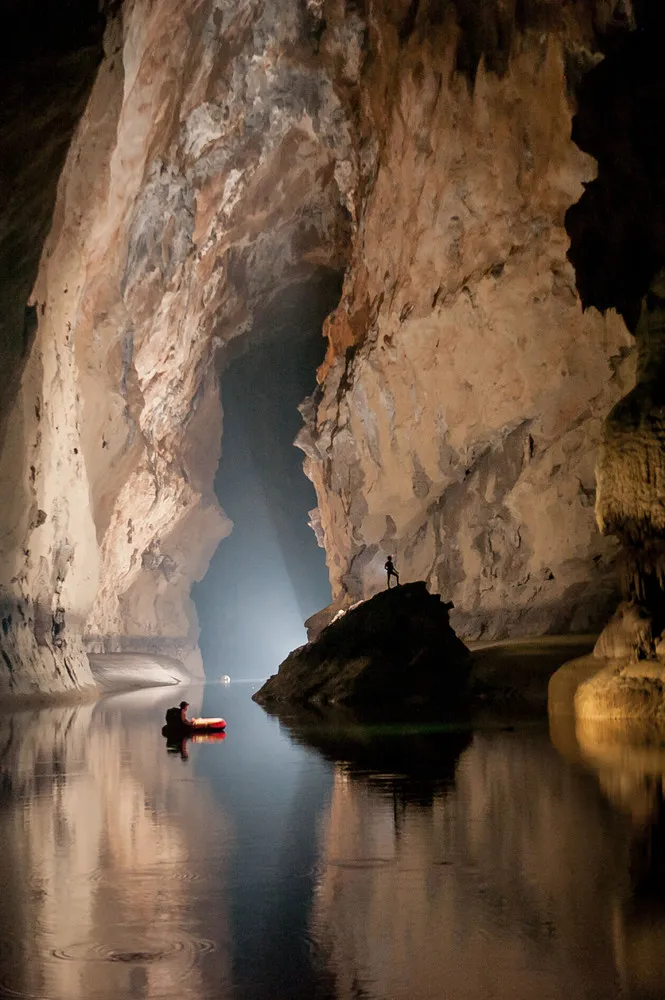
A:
x,y
225,679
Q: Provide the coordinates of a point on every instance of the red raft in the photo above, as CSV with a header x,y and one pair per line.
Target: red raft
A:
x,y
195,727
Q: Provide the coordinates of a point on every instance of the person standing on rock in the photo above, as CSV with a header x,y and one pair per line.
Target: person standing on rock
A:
x,y
391,571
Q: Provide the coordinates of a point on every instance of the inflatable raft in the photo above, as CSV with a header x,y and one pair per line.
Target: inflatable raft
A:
x,y
195,727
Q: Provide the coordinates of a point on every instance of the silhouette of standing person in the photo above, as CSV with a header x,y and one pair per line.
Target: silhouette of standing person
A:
x,y
391,571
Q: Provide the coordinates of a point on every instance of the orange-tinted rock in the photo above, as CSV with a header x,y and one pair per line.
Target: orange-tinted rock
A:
x,y
459,432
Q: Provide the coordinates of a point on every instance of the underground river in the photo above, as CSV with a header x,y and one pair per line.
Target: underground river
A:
x,y
293,860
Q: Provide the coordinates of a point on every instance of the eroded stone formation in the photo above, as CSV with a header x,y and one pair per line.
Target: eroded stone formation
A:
x,y
211,170
618,248
230,151
464,389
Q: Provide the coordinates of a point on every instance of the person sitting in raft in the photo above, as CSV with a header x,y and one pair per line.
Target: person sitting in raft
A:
x,y
177,717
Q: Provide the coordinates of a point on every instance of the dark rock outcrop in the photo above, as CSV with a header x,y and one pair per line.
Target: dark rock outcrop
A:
x,y
398,647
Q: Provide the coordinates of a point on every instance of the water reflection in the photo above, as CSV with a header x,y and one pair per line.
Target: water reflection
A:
x,y
413,762
631,774
99,852
325,859
464,866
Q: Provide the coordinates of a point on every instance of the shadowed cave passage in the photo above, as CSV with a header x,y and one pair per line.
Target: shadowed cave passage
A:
x,y
269,575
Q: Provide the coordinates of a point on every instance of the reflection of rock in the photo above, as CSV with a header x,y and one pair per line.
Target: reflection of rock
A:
x,y
414,762
631,774
99,846
397,647
517,863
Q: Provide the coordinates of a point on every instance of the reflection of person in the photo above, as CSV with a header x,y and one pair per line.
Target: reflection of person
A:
x,y
391,571
178,747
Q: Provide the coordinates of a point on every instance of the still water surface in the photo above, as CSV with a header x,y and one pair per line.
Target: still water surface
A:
x,y
291,860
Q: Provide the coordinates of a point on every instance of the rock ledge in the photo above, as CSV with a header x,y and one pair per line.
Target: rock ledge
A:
x,y
398,646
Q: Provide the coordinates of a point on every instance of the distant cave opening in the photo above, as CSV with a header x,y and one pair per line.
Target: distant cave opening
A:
x,y
270,574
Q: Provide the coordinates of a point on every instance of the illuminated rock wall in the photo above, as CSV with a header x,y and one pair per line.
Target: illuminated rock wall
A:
x,y
203,180
464,391
229,152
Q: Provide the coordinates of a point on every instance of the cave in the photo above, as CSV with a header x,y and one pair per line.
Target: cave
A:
x,y
464,198
270,575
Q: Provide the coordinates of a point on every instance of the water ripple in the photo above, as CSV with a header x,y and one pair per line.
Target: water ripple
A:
x,y
143,951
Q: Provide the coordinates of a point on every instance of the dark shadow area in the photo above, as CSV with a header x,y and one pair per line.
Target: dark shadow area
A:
x,y
412,760
269,575
49,54
515,673
617,228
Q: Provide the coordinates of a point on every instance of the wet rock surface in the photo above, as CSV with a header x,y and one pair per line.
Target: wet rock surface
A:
x,y
396,647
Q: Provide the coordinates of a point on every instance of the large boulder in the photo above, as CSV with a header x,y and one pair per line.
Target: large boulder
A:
x,y
397,647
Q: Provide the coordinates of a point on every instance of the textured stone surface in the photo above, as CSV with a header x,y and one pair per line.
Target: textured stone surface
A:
x,y
631,462
628,635
619,257
630,505
626,693
201,183
464,389
233,150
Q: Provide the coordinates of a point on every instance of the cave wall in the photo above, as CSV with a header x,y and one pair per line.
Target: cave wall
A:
x,y
230,151
201,182
617,245
462,400
49,55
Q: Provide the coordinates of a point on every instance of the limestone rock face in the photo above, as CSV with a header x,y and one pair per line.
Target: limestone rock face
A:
x,y
463,395
229,152
395,648
631,462
210,171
